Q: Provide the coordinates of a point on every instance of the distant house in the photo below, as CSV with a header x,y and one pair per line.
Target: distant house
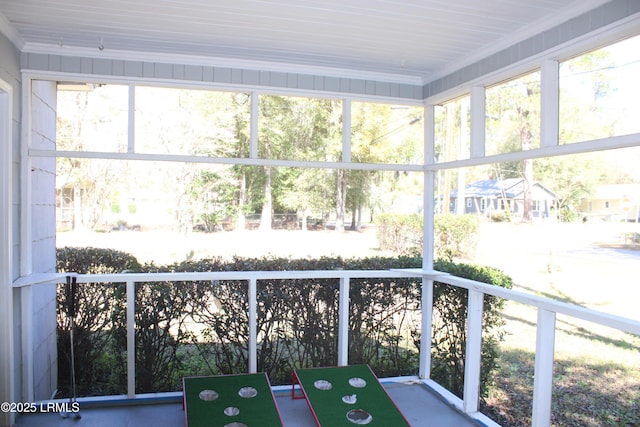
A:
x,y
506,196
615,202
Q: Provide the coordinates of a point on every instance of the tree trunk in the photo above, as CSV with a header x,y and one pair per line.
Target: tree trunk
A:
x,y
526,141
353,226
242,198
448,155
77,208
527,175
356,218
267,205
341,199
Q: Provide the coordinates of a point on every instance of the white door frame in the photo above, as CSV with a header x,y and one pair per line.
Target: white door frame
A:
x,y
7,362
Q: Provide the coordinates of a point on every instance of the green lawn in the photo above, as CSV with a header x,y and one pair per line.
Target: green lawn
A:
x,y
597,369
596,374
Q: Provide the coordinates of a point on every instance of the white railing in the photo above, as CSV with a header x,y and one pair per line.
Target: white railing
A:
x,y
252,278
545,338
546,323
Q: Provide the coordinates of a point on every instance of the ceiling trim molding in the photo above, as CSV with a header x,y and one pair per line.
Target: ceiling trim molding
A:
x,y
525,33
10,32
515,60
245,64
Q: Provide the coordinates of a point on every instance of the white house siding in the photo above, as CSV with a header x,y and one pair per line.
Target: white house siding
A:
x,y
43,243
615,202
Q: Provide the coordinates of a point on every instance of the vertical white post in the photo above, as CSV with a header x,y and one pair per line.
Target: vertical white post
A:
x,y
464,135
253,326
429,190
472,362
427,249
131,339
7,356
478,121
543,373
343,322
549,103
346,130
424,370
131,139
253,126
26,317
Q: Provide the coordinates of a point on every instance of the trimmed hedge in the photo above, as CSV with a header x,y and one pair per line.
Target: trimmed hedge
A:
x,y
100,364
201,328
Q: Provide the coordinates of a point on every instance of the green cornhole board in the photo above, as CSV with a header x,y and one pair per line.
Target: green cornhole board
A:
x,y
327,406
257,411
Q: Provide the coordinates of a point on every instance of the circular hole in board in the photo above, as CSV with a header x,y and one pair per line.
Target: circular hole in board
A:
x,y
231,411
247,392
322,385
350,399
357,382
208,395
359,416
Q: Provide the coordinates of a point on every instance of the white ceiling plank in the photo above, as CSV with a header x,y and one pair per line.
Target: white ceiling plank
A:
x,y
418,38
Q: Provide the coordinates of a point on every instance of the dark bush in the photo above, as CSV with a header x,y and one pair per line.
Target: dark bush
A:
x,y
94,261
100,312
201,328
449,321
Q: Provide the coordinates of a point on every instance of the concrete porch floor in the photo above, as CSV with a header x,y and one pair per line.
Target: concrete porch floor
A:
x,y
420,406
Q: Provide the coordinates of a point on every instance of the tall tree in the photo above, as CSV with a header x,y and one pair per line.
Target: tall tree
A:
x,y
514,111
308,193
341,198
91,120
525,111
382,133
296,129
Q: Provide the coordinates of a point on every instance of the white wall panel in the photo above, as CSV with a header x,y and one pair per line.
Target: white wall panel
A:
x,y
43,235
